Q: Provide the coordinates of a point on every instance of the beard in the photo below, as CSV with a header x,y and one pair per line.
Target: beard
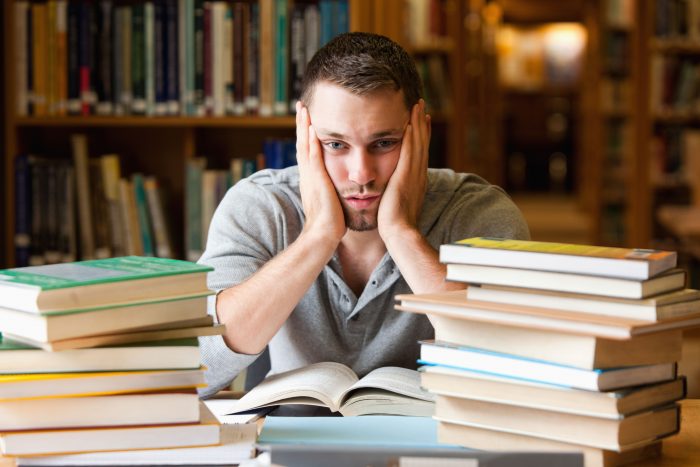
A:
x,y
361,220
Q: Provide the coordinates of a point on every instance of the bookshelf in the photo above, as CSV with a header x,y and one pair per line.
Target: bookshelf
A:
x,y
163,146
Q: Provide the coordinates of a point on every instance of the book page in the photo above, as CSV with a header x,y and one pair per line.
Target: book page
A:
x,y
380,402
393,379
325,382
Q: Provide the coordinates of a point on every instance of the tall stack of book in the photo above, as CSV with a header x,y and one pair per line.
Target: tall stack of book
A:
x,y
557,347
102,355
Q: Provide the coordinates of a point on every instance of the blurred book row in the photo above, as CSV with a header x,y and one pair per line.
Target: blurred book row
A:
x,y
87,207
167,57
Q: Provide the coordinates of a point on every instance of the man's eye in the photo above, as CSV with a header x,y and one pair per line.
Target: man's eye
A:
x,y
335,145
385,143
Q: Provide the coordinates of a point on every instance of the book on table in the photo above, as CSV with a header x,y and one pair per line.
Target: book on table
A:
x,y
629,263
383,391
74,323
673,279
237,445
577,350
468,358
457,305
490,440
493,388
598,432
205,432
670,305
175,354
100,282
99,411
39,385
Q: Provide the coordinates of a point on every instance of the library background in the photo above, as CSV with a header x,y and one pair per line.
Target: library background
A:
x,y
126,121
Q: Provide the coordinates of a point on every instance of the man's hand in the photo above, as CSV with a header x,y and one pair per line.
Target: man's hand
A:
x,y
403,198
324,214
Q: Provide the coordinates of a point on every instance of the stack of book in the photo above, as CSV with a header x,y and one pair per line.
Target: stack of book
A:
x,y
102,355
557,347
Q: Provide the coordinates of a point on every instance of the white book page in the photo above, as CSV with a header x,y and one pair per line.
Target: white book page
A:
x,y
325,381
393,379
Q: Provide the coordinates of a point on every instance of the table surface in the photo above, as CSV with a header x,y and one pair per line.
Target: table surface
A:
x,y
683,449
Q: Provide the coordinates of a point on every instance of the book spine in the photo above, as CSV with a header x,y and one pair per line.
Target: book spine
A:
x,y
85,45
172,57
207,71
61,57
281,105
100,211
240,29
127,95
252,90
159,67
38,238
51,65
144,217
129,233
30,60
117,61
40,58
267,55
73,58
68,244
23,210
327,20
80,161
297,61
21,40
161,234
149,54
190,57
227,59
104,64
199,53
111,172
312,31
193,208
138,58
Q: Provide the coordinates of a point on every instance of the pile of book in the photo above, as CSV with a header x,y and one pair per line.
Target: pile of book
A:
x,y
102,355
557,347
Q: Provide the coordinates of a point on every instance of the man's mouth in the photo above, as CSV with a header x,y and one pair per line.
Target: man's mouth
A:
x,y
363,201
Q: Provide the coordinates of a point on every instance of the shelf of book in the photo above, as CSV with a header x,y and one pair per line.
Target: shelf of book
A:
x,y
181,122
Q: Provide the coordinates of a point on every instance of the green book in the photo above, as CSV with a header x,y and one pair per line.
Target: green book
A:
x,y
100,282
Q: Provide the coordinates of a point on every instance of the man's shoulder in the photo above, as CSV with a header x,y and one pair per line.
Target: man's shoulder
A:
x,y
447,181
275,179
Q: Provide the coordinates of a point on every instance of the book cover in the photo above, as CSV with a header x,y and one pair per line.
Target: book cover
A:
x,y
627,263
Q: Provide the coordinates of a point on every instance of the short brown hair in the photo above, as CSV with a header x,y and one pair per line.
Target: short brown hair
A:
x,y
363,63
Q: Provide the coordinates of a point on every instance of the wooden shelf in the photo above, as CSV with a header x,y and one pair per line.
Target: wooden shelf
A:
x,y
176,122
676,116
675,45
437,45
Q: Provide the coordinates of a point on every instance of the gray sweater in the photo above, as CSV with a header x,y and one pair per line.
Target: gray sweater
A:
x,y
261,215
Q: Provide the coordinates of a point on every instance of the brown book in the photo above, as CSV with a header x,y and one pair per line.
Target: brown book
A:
x,y
612,433
492,388
490,440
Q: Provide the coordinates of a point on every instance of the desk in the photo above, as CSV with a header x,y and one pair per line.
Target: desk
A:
x,y
682,450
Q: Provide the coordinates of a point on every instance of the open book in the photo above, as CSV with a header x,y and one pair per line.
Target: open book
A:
x,y
384,391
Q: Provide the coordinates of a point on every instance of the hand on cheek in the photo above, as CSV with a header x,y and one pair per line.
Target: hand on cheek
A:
x,y
403,199
324,214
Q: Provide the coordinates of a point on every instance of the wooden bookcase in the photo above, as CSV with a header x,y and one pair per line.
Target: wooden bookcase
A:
x,y
162,146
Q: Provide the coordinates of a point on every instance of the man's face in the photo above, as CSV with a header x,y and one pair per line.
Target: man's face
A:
x,y
361,140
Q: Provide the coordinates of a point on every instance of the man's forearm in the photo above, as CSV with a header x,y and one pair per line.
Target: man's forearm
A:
x,y
256,309
419,263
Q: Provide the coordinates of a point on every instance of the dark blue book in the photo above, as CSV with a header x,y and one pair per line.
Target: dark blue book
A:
x,y
23,209
199,57
138,59
327,20
161,103
103,58
171,53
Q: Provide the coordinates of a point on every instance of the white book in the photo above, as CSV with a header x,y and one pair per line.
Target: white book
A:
x,y
79,440
536,370
97,411
564,282
237,445
666,306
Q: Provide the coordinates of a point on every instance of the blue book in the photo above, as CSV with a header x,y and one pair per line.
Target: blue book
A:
x,y
326,11
494,363
143,215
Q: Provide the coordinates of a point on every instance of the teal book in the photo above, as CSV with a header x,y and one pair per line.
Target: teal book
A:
x,y
100,282
144,216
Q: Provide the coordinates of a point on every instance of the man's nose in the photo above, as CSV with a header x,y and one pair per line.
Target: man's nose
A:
x,y
361,170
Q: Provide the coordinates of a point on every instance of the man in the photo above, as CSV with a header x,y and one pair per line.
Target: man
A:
x,y
308,259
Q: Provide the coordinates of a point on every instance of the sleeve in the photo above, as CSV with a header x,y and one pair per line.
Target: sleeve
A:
x,y
249,227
